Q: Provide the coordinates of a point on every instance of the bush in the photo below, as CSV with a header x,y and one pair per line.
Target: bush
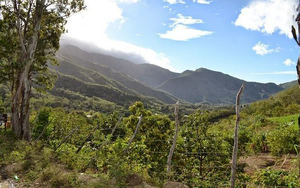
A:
x,y
258,143
283,139
270,177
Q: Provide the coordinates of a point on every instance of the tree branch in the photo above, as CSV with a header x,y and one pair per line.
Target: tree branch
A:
x,y
27,17
135,133
66,138
18,25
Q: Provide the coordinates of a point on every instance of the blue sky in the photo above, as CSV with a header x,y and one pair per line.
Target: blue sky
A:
x,y
248,39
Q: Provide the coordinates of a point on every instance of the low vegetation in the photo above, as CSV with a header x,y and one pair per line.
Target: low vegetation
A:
x,y
76,148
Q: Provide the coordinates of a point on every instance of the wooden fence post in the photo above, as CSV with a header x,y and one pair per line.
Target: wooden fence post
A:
x,y
236,138
174,138
135,132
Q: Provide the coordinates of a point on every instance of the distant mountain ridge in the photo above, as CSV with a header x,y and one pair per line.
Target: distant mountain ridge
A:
x,y
80,67
289,84
148,74
206,86
200,86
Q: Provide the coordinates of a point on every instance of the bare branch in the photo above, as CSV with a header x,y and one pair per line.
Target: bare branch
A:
x,y
40,5
66,138
112,133
18,25
88,138
295,35
28,17
135,133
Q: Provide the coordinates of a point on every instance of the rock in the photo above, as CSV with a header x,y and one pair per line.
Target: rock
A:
x,y
143,185
10,170
134,180
175,185
7,184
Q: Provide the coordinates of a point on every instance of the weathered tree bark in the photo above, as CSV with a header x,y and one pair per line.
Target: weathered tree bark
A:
x,y
135,133
236,129
298,147
21,88
174,138
298,73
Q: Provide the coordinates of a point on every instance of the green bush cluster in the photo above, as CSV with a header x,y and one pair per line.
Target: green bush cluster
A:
x,y
270,177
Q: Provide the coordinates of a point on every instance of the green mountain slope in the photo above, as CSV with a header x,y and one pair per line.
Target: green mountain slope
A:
x,y
200,86
97,74
148,74
289,84
204,85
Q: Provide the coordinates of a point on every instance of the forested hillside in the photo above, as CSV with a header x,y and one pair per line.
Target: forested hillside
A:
x,y
268,136
206,86
200,86
101,114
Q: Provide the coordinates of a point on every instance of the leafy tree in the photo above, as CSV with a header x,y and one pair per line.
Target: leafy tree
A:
x,y
202,156
29,34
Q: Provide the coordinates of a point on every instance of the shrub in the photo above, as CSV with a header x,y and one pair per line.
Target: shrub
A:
x,y
270,177
258,143
283,139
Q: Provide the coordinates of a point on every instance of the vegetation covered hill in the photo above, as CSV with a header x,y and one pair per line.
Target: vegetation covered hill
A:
x,y
206,86
80,149
92,72
148,74
200,86
289,84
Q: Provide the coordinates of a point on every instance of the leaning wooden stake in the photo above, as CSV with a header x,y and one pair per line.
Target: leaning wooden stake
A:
x,y
112,133
66,138
298,73
89,138
135,132
174,139
236,129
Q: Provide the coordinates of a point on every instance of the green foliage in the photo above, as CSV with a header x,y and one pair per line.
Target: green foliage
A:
x,y
77,142
269,177
283,139
284,103
258,143
41,123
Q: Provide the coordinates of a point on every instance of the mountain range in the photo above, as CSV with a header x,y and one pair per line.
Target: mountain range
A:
x,y
95,74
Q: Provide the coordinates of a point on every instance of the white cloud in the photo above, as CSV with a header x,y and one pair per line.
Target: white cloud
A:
x,y
129,1
202,2
183,33
268,16
172,2
289,62
278,73
91,25
186,20
263,49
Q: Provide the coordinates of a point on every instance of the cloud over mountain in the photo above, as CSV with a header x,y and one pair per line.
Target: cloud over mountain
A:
x,y
82,27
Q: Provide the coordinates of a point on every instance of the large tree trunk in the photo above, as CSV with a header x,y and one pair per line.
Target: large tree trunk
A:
x,y
25,110
21,90
21,102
